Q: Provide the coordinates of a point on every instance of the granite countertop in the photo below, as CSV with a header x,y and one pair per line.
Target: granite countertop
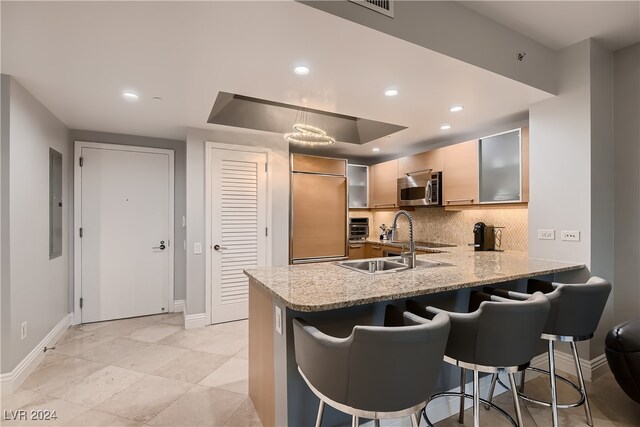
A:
x,y
326,286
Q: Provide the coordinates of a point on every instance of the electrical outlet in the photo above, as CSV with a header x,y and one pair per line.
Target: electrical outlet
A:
x,y
279,320
23,330
197,248
546,234
570,235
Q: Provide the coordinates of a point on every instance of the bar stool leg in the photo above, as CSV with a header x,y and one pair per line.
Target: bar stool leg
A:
x,y
414,420
476,398
376,423
463,383
583,389
492,389
320,413
516,402
355,421
522,381
552,380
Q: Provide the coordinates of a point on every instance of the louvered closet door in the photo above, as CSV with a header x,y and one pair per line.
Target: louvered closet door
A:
x,y
238,232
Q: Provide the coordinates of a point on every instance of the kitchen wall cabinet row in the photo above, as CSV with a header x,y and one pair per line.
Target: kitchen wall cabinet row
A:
x,y
487,170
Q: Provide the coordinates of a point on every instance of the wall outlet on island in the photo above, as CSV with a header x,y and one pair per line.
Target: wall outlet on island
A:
x,y
546,234
23,330
279,320
570,235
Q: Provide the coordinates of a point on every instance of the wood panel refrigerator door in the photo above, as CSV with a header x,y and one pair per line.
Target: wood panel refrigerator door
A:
x,y
238,232
319,216
125,217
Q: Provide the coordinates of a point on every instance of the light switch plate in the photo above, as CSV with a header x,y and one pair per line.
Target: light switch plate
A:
x,y
570,235
546,234
197,248
279,320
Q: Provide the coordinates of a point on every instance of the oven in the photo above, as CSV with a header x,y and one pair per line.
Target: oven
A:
x,y
358,228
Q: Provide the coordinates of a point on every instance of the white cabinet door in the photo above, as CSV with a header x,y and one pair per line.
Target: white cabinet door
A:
x,y
238,229
125,218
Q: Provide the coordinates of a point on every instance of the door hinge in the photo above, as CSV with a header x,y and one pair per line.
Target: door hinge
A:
x,y
266,231
81,232
81,302
81,161
265,167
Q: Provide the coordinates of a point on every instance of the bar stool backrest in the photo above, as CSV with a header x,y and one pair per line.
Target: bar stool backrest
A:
x,y
506,333
576,308
382,369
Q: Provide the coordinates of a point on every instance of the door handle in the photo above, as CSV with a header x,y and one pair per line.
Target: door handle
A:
x,y
162,247
218,248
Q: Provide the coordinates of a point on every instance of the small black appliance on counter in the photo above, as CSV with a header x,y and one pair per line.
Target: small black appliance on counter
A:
x,y
483,237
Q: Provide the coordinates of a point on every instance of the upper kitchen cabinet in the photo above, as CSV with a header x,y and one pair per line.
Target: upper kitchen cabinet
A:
x,y
358,177
383,180
501,168
323,165
421,162
460,174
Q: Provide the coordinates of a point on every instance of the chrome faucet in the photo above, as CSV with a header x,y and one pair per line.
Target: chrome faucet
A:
x,y
410,258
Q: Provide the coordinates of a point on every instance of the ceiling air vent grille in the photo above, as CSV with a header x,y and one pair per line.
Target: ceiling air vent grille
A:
x,y
382,6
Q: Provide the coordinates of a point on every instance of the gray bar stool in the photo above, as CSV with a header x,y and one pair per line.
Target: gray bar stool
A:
x,y
366,374
574,316
497,335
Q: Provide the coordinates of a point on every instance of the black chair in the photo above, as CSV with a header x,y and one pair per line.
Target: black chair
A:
x,y
622,347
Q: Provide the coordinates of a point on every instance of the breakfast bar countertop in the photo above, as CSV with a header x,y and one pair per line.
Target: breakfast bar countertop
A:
x,y
327,286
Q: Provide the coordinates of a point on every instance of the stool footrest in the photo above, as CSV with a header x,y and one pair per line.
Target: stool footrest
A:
x,y
548,404
467,396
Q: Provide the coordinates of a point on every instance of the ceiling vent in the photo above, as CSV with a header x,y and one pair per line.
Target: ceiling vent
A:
x,y
382,6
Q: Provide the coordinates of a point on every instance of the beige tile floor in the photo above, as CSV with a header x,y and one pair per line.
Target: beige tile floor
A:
x,y
142,371
150,371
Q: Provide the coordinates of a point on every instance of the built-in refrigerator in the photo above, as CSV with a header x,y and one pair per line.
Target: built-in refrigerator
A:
x,y
318,209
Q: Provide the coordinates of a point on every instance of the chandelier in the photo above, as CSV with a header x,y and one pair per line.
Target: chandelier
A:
x,y
306,134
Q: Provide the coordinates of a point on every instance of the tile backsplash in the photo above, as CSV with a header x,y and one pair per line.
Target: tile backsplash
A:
x,y
456,227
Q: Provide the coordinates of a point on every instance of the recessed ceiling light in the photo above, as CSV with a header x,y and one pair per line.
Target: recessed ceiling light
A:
x,y
445,126
391,92
456,108
301,70
375,149
130,96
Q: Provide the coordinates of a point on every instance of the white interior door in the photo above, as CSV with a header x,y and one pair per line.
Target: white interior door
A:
x,y
126,230
238,228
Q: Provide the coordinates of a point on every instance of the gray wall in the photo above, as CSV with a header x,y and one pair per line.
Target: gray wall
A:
x,y
180,197
571,161
602,178
626,111
196,264
34,288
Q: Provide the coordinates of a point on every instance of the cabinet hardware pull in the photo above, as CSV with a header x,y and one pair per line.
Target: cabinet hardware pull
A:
x,y
384,204
376,247
354,247
459,200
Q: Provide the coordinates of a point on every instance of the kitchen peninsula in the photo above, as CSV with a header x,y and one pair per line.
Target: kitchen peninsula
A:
x,y
336,298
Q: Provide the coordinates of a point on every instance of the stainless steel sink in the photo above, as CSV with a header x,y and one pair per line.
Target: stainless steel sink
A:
x,y
424,263
388,265
374,266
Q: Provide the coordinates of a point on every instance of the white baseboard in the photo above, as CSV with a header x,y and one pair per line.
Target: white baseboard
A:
x,y
590,368
178,306
12,380
193,321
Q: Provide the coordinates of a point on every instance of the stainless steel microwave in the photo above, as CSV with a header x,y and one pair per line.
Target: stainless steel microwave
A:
x,y
423,189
